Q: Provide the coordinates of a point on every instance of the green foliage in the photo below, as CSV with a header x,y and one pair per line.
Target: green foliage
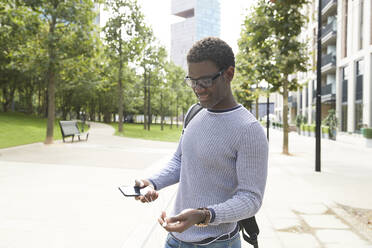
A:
x,y
136,131
331,120
299,120
367,133
20,129
270,50
325,129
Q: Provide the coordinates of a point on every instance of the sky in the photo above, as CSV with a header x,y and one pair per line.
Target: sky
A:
x,y
157,14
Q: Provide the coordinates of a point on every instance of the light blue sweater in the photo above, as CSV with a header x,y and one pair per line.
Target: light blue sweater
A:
x,y
220,163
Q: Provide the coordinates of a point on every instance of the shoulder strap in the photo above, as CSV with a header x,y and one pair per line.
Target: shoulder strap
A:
x,y
251,228
193,111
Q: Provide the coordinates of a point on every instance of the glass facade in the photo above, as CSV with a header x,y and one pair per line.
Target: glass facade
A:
x,y
207,18
202,19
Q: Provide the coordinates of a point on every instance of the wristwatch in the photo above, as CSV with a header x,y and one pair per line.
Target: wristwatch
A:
x,y
206,219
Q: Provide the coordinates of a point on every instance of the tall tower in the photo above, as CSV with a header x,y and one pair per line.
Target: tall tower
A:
x,y
201,19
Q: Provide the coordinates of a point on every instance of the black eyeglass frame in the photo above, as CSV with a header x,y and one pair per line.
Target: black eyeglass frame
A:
x,y
209,80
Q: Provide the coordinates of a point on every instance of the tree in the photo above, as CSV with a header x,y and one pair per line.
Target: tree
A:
x,y
18,26
70,34
124,32
270,42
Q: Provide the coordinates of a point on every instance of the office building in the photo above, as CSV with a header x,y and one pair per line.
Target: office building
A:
x,y
346,65
201,19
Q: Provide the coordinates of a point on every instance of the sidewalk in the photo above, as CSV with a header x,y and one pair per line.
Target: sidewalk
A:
x,y
65,195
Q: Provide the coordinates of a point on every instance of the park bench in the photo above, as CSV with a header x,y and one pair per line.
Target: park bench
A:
x,y
70,129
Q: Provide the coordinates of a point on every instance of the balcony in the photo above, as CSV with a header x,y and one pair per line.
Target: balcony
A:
x,y
329,34
329,92
329,7
359,88
329,63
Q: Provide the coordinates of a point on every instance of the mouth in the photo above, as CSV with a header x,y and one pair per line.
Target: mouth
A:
x,y
203,97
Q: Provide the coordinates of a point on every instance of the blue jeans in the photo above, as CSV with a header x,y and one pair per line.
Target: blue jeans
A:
x,y
230,243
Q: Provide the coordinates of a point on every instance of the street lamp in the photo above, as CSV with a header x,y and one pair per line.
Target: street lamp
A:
x,y
318,90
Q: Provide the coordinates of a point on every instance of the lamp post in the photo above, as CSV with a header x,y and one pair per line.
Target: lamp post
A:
x,y
318,91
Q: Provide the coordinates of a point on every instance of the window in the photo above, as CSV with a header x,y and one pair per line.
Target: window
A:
x,y
344,84
344,118
361,17
359,67
358,116
344,28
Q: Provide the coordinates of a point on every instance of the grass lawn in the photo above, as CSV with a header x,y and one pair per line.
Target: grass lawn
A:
x,y
136,131
20,129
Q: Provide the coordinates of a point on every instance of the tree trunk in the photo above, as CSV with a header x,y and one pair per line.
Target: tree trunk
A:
x,y
285,116
149,104
45,107
8,97
177,111
171,126
29,94
161,112
257,114
120,89
144,100
51,84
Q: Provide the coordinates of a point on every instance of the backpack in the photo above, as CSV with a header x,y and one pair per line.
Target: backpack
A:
x,y
248,226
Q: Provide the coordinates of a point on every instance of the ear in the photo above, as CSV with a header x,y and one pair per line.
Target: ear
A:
x,y
229,73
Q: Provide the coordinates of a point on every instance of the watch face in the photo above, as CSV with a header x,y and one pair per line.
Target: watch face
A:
x,y
207,218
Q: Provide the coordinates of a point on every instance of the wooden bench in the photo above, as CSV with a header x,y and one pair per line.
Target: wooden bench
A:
x,y
70,129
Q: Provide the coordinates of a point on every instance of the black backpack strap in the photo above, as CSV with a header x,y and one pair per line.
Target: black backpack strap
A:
x,y
191,114
250,230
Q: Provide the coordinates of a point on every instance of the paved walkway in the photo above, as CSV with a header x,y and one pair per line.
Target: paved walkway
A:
x,y
65,194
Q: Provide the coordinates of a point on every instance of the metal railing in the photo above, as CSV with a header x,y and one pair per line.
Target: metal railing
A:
x,y
329,58
331,27
328,89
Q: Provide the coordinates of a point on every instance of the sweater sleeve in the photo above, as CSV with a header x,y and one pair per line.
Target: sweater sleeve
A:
x,y
251,170
170,174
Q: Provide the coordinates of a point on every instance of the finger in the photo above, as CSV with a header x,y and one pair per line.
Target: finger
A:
x,y
161,222
139,183
176,227
173,220
163,215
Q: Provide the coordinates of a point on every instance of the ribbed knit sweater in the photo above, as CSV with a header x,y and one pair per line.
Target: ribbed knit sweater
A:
x,y
220,163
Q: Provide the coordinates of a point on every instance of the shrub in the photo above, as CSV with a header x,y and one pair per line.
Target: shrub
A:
x,y
325,129
367,133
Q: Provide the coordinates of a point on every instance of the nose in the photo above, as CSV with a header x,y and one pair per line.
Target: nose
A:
x,y
198,88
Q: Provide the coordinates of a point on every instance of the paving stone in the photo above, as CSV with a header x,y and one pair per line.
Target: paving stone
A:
x,y
343,246
285,223
266,242
309,208
279,212
324,221
295,240
340,237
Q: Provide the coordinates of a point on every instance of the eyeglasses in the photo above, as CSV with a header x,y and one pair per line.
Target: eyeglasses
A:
x,y
204,82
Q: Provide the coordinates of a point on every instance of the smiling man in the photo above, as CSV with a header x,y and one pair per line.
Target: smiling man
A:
x,y
221,160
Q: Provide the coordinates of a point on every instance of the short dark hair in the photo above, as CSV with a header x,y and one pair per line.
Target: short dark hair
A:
x,y
213,49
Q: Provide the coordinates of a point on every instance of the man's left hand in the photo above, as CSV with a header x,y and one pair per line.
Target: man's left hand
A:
x,y
182,221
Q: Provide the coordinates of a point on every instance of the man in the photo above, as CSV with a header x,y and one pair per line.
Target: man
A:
x,y
221,160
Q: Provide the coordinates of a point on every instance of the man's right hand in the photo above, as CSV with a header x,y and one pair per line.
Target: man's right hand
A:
x,y
150,195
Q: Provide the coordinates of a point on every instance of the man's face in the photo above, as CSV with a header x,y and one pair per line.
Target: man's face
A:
x,y
213,97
